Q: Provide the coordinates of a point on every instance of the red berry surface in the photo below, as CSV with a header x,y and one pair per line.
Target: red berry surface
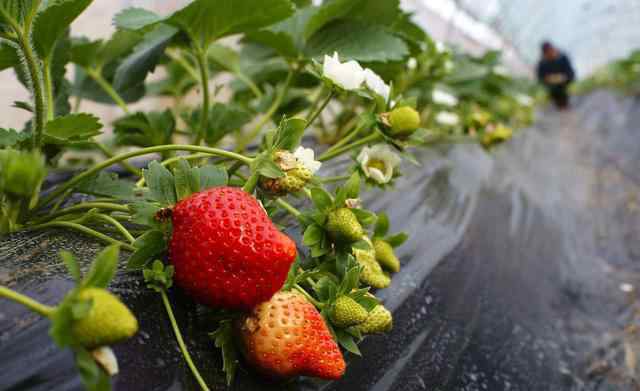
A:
x,y
226,251
286,336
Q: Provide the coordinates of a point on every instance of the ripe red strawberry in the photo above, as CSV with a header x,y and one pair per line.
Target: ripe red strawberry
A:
x,y
286,337
226,251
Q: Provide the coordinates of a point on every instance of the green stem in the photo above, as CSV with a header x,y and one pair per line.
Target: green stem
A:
x,y
140,152
249,83
26,301
201,57
109,154
288,207
312,117
48,87
347,138
175,56
304,293
85,206
83,229
242,144
332,179
110,220
181,344
250,184
96,75
330,155
174,159
35,73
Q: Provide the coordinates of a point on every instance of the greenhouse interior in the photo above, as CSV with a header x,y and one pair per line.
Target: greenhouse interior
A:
x,y
306,195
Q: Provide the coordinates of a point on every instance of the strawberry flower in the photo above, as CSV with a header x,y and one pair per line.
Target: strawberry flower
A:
x,y
348,75
444,98
378,163
306,157
447,118
376,84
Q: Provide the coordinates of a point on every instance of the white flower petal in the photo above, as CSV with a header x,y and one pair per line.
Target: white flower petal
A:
x,y
380,153
377,175
447,118
105,357
412,63
348,75
306,157
444,98
376,84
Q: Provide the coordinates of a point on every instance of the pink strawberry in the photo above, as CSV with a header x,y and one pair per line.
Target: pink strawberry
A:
x,y
226,251
286,337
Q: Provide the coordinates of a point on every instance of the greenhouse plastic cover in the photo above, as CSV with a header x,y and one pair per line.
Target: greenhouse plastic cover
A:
x,y
592,32
511,278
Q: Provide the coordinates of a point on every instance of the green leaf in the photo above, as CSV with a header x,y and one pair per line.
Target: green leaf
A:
x,y
321,199
8,56
382,225
207,20
103,268
380,12
158,277
290,133
187,179
107,184
72,265
361,245
161,184
223,339
225,57
286,37
328,12
26,106
365,217
80,309
135,19
145,129
350,280
397,239
144,213
85,52
352,186
134,69
72,127
212,176
267,168
358,41
150,245
11,137
121,43
52,23
224,119
62,320
17,10
312,235
93,377
346,341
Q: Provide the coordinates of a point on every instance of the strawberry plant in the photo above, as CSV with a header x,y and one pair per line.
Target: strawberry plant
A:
x,y
204,192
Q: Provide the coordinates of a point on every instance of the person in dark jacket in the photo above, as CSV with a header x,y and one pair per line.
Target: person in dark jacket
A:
x,y
556,73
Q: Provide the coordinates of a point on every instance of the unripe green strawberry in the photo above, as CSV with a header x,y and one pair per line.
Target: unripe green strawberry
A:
x,y
108,321
404,121
371,273
385,255
343,226
293,181
347,312
378,321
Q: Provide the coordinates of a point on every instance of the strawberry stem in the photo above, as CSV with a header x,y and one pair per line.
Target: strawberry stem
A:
x,y
339,151
288,207
26,301
312,117
84,230
84,206
304,293
181,344
250,184
140,152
